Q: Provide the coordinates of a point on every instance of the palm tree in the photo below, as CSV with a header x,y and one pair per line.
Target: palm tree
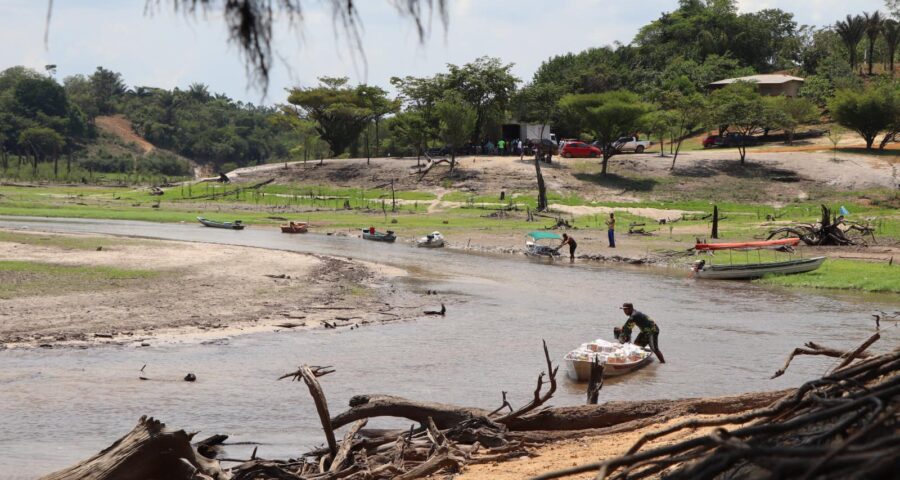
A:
x,y
851,32
891,31
873,28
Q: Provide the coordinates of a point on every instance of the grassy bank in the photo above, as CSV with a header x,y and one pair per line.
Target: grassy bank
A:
x,y
844,275
23,278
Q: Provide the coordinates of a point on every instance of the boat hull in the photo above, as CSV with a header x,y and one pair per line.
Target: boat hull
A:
x,y
295,229
744,272
225,225
432,244
379,237
580,370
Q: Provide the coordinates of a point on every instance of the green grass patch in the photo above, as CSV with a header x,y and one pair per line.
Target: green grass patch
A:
x,y
844,275
64,241
23,278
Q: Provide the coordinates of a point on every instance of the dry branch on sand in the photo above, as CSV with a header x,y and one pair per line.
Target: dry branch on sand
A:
x,y
843,422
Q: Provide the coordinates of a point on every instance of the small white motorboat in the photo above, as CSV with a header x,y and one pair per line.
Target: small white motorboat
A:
x,y
616,358
432,240
537,244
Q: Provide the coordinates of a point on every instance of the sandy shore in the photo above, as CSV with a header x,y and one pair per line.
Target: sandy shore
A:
x,y
181,289
579,451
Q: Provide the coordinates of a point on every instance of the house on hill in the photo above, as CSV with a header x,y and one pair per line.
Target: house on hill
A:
x,y
773,84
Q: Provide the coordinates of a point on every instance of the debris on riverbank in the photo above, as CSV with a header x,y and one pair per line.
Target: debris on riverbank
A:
x,y
845,421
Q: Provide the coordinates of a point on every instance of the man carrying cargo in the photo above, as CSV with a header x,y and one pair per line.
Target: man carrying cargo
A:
x,y
649,330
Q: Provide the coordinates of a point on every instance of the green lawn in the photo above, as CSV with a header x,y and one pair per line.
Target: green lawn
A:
x,y
65,241
845,275
22,278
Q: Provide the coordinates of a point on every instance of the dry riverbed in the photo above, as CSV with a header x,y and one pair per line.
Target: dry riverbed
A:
x,y
77,289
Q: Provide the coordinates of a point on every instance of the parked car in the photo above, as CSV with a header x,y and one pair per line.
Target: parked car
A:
x,y
731,139
631,144
579,149
548,146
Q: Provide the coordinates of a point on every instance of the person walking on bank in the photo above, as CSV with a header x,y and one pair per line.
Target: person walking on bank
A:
x,y
611,229
649,330
567,240
501,145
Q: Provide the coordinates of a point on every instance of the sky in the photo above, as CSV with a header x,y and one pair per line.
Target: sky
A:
x,y
167,49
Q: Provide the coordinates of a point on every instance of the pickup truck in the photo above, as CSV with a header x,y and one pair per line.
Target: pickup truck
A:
x,y
631,144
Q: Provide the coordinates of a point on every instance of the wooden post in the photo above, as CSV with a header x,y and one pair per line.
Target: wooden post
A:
x,y
315,390
715,222
596,382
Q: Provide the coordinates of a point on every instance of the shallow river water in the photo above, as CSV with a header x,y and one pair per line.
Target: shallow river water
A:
x,y
60,405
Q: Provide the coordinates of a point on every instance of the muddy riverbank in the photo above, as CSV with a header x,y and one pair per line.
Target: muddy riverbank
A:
x,y
60,290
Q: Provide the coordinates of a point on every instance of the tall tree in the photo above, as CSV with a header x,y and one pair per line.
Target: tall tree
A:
x,y
41,143
341,112
457,119
851,32
869,112
740,107
606,116
689,111
539,103
487,85
873,29
106,87
891,32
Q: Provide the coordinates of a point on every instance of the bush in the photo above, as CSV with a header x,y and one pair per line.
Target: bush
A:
x,y
164,165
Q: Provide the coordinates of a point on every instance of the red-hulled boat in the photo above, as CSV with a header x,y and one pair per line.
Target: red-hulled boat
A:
x,y
784,242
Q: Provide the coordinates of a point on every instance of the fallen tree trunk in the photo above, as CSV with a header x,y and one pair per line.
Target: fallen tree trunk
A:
x,y
147,451
614,413
368,406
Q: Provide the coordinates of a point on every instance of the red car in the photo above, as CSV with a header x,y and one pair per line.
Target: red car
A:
x,y
579,149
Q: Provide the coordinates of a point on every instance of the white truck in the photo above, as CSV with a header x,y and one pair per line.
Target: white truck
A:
x,y
631,144
527,132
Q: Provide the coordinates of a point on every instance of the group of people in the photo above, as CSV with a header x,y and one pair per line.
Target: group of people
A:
x,y
610,232
505,147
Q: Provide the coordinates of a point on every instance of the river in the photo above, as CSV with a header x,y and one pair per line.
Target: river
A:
x,y
60,405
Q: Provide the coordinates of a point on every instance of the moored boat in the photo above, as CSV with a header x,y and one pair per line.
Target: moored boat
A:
x,y
235,225
537,244
783,242
388,236
616,358
432,240
755,270
295,227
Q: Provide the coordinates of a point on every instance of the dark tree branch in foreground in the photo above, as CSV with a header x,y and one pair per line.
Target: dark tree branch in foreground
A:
x,y
250,23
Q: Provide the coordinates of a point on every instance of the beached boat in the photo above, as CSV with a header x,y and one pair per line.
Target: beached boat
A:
x,y
378,236
235,225
755,270
432,240
783,242
295,227
537,244
616,358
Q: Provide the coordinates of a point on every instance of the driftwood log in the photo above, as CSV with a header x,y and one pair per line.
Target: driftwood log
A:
x,y
148,451
829,230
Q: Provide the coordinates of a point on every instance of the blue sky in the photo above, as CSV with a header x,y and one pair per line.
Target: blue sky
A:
x,y
166,49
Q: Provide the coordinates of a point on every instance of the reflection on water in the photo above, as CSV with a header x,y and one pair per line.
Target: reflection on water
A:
x,y
58,406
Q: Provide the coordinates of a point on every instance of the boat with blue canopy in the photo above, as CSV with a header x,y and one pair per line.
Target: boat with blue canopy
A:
x,y
538,244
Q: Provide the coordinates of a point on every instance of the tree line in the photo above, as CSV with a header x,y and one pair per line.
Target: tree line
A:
x,y
656,84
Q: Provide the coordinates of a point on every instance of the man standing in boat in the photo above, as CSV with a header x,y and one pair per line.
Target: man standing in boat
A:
x,y
649,330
